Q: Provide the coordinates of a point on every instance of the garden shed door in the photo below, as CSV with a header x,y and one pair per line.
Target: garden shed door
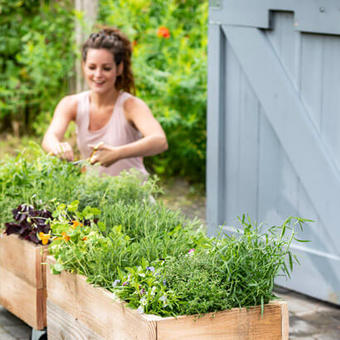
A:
x,y
274,126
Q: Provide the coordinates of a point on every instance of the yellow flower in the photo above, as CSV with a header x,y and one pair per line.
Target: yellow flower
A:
x,y
44,238
66,238
76,224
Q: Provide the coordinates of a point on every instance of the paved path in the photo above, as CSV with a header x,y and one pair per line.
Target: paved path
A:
x,y
11,328
310,319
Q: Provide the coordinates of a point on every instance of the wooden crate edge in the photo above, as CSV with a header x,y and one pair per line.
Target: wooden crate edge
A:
x,y
150,317
37,278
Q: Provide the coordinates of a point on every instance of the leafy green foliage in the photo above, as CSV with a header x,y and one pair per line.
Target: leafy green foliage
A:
x,y
37,55
154,258
145,289
105,252
128,188
164,269
36,178
45,181
171,73
237,271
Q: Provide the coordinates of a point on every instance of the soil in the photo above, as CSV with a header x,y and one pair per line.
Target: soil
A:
x,y
190,199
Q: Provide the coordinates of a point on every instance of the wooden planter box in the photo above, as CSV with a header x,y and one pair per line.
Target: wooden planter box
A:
x,y
23,280
77,310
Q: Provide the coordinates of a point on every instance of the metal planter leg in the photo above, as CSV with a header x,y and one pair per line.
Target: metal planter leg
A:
x,y
39,335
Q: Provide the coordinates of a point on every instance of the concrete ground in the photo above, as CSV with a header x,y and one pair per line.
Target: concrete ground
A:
x,y
309,319
12,328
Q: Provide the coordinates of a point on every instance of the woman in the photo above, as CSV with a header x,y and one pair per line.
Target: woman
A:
x,y
114,128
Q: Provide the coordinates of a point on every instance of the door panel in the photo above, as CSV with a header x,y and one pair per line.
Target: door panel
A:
x,y
276,138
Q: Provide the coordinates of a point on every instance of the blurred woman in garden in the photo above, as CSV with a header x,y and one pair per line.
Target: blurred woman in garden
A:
x,y
114,128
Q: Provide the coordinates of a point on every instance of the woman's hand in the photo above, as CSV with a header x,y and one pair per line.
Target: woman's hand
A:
x,y
63,151
64,113
104,154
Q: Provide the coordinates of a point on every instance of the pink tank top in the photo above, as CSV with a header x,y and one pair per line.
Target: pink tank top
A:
x,y
118,131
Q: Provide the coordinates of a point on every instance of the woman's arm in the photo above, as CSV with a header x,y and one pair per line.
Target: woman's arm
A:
x,y
63,114
153,141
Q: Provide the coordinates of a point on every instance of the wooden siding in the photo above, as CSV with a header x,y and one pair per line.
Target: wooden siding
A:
x,y
281,141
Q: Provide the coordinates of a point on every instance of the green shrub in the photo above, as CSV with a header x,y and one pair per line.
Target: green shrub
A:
x,y
36,178
37,55
171,74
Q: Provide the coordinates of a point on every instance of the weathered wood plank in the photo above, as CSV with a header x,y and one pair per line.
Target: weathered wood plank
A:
x,y
101,311
285,320
61,290
248,154
23,280
96,308
279,184
308,16
62,325
237,323
330,120
215,126
286,112
24,259
97,312
22,299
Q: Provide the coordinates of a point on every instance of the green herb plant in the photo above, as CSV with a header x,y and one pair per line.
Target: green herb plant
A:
x,y
108,248
36,178
145,289
160,262
235,271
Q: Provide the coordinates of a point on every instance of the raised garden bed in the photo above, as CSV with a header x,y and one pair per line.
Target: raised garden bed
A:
x,y
23,280
78,310
152,258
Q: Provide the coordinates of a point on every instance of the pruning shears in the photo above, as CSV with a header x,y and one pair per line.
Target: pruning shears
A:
x,y
87,161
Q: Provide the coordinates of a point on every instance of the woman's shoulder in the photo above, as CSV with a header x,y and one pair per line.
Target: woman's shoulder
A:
x,y
132,103
69,103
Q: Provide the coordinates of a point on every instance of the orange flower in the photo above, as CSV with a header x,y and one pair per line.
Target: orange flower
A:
x,y
84,238
66,238
76,224
44,237
163,32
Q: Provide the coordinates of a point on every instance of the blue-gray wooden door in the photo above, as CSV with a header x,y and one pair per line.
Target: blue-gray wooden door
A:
x,y
274,126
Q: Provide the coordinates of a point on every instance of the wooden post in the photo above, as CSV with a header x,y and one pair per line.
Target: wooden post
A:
x,y
83,29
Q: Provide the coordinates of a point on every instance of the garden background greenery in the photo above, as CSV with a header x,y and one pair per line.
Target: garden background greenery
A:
x,y
38,54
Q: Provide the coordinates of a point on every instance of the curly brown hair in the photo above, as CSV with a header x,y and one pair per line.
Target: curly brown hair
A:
x,y
113,40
